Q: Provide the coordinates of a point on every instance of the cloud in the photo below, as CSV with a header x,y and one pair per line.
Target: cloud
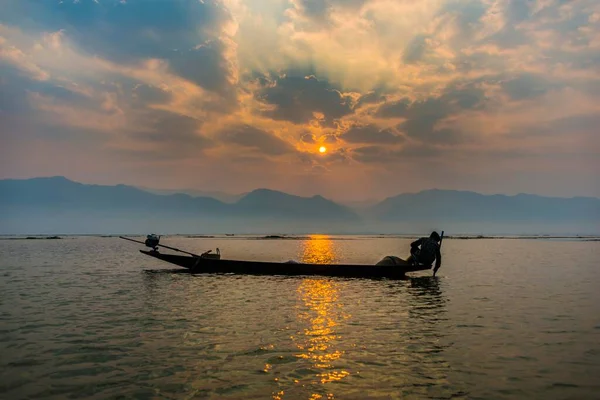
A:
x,y
319,11
385,155
424,119
123,31
550,135
300,100
416,49
308,138
193,37
147,94
396,108
371,134
165,136
257,139
206,66
16,99
164,126
15,57
371,97
527,86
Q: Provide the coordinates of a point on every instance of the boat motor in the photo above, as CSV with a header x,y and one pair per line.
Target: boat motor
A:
x,y
152,241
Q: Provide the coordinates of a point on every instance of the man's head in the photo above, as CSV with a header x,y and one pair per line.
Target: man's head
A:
x,y
434,235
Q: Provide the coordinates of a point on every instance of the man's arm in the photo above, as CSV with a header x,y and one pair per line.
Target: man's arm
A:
x,y
438,261
416,243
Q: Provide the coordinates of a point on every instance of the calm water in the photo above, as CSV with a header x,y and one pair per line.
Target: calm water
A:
x,y
91,317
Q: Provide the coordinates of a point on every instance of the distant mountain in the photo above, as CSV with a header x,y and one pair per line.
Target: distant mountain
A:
x,y
265,202
221,196
63,194
450,205
59,205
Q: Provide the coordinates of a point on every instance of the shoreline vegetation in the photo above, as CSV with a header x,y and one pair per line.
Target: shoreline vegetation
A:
x,y
310,237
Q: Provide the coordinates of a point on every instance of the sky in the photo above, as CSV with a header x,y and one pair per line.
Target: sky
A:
x,y
494,96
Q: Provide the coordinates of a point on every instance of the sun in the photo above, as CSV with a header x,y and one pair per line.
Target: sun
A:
x,y
322,149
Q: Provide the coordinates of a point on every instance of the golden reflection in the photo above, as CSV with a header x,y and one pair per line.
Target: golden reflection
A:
x,y
322,312
318,249
316,396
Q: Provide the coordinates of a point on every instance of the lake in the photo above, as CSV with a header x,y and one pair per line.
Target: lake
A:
x,y
91,317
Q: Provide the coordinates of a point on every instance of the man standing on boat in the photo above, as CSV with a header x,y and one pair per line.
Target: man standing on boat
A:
x,y
428,252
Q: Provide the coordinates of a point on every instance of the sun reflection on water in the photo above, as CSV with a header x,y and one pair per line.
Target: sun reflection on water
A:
x,y
318,249
322,312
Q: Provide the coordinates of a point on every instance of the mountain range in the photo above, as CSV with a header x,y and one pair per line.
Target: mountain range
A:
x,y
59,205
221,196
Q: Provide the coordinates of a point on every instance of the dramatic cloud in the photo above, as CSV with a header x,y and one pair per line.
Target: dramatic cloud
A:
x,y
301,99
378,154
251,137
235,94
129,31
527,86
371,134
423,119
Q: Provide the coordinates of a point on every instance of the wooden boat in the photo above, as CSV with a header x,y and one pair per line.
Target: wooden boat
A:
x,y
220,266
394,268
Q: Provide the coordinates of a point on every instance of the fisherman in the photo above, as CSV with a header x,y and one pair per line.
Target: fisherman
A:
x,y
428,252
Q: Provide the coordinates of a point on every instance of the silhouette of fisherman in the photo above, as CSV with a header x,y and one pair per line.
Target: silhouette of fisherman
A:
x,y
426,250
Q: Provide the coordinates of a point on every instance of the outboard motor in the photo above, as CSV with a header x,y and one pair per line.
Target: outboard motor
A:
x,y
152,241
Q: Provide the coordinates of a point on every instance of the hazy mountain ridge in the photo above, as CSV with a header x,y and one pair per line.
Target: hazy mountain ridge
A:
x,y
464,205
60,192
59,205
221,196
273,203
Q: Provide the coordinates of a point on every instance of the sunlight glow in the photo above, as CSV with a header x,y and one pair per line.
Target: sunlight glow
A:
x,y
322,313
322,149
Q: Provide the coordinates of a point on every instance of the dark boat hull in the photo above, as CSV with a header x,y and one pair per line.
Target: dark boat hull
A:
x,y
212,266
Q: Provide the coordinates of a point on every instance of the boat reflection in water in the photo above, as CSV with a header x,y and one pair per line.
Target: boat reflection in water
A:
x,y
321,311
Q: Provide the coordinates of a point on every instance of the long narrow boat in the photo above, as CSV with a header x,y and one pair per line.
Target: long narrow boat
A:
x,y
389,267
199,264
